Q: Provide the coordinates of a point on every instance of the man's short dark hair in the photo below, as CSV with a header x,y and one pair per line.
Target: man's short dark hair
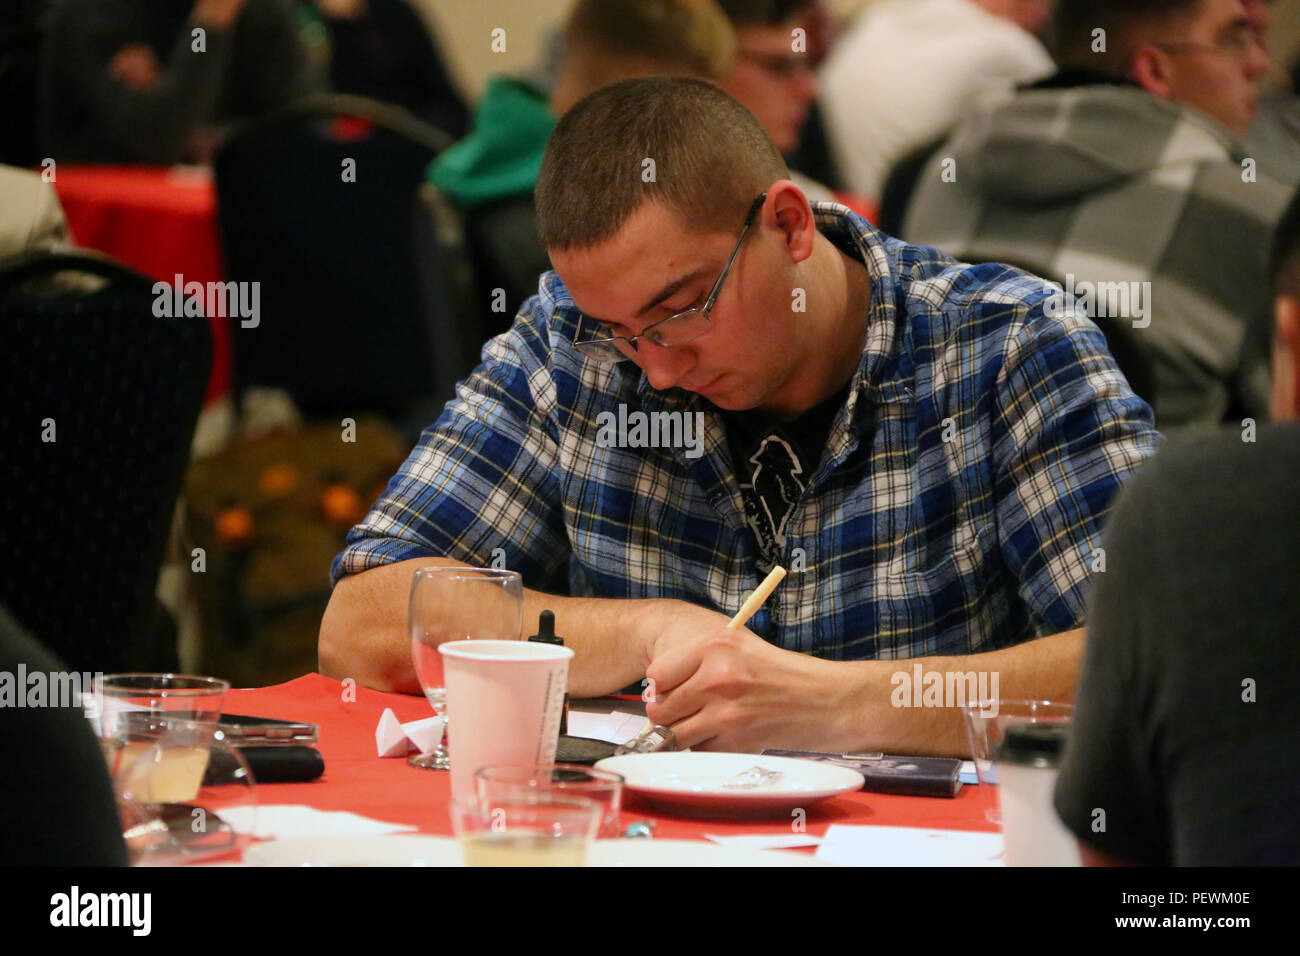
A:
x,y
682,143
1284,260
1127,23
767,13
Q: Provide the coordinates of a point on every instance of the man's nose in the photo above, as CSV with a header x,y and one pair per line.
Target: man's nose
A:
x,y
1257,61
806,85
664,367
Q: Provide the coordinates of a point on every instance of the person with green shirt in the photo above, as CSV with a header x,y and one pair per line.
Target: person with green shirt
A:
x,y
489,175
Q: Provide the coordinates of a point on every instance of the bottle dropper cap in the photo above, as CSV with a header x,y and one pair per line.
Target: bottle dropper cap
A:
x,y
546,630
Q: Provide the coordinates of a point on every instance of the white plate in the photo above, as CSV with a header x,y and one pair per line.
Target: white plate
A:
x,y
698,781
408,850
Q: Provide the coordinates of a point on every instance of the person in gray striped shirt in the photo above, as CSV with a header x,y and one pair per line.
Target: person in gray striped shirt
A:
x,y
1123,180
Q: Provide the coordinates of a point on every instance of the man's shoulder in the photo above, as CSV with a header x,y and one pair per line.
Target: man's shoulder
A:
x,y
966,294
1210,469
925,278
540,344
1227,490
953,29
1130,128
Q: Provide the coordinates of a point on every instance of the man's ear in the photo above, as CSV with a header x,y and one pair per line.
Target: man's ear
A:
x,y
1286,360
793,215
1152,70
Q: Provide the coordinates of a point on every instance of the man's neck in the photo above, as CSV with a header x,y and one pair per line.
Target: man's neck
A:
x,y
845,287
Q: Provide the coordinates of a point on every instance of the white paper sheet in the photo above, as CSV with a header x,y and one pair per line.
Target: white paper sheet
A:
x,y
851,845
292,820
614,727
767,841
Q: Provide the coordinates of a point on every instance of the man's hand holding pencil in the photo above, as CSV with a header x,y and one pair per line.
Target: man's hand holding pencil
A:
x,y
730,690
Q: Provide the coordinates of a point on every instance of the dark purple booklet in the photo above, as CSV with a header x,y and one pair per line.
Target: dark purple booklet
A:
x,y
889,773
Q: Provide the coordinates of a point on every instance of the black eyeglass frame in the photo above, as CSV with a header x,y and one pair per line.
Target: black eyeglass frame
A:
x,y
606,349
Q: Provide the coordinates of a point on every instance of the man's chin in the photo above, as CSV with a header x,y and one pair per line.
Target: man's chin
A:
x,y
731,402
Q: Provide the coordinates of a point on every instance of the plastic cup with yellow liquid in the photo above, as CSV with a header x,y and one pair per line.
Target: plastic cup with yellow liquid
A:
x,y
527,830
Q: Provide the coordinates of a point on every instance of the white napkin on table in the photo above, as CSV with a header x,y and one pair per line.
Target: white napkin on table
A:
x,y
292,820
853,845
394,739
766,841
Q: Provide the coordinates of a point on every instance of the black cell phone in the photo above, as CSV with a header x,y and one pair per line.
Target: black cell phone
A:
x,y
242,731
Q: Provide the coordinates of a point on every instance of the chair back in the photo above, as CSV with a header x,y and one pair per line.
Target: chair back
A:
x,y
900,184
99,397
319,205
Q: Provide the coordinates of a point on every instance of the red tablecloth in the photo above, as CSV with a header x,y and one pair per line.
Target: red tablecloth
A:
x,y
387,789
157,220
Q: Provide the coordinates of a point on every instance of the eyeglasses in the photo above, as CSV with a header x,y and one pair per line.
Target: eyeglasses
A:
x,y
780,66
677,329
1238,41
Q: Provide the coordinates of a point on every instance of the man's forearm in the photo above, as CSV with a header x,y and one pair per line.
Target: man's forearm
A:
x,y
881,711
364,634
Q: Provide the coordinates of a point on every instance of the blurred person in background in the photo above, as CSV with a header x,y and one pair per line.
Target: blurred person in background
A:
x,y
489,175
381,49
31,218
778,46
1126,168
1184,724
1274,137
907,71
135,80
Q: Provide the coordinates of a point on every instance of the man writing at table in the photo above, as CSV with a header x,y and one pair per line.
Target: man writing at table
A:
x,y
928,451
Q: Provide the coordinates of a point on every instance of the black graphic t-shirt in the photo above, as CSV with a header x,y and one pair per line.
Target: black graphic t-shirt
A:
x,y
774,461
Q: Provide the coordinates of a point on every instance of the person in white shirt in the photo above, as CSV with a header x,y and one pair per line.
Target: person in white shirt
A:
x,y
30,215
908,70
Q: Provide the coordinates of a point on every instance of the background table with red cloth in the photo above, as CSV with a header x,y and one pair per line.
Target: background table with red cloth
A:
x,y
387,789
160,221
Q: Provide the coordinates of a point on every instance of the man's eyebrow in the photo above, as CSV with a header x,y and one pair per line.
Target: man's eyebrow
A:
x,y
666,292
672,289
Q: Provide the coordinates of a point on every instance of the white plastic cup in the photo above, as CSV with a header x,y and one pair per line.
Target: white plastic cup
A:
x,y
504,703
1034,835
1028,761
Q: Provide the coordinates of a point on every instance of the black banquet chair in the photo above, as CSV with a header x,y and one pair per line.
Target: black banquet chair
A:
x,y
319,203
84,517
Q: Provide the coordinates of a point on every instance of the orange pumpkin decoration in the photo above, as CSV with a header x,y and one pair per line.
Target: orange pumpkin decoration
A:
x,y
234,526
342,505
278,480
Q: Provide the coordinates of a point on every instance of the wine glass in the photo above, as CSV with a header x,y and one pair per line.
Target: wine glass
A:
x,y
457,604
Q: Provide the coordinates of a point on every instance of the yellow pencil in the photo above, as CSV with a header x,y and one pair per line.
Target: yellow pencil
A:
x,y
755,600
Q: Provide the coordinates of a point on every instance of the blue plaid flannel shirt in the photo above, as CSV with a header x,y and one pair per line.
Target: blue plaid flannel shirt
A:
x,y
956,508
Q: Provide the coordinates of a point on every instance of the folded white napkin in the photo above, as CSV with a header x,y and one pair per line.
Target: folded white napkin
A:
x,y
394,739
292,820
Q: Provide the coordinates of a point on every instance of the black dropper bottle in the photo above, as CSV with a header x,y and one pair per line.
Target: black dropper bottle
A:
x,y
546,635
